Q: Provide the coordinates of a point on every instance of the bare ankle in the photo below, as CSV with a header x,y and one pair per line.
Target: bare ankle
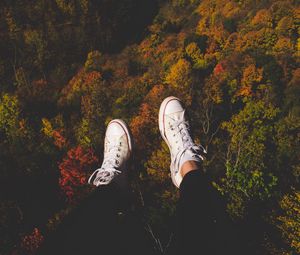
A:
x,y
189,166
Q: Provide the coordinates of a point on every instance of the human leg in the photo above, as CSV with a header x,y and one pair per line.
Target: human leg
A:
x,y
202,226
103,222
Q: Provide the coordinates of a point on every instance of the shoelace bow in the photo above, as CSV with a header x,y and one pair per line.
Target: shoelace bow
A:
x,y
108,170
182,127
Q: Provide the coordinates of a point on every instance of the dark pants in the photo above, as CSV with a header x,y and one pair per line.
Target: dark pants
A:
x,y
103,225
202,224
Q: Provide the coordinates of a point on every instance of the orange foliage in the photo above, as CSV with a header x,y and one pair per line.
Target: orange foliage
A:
x,y
168,44
295,81
91,77
80,83
263,18
22,124
144,125
140,125
245,91
59,140
86,105
252,75
56,134
230,10
74,171
147,47
155,96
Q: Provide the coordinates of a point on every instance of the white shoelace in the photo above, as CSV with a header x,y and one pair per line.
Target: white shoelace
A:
x,y
182,128
108,170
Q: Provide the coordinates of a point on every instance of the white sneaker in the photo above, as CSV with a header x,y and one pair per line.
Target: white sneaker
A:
x,y
175,131
117,150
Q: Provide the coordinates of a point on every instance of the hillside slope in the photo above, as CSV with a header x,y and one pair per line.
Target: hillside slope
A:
x,y
235,64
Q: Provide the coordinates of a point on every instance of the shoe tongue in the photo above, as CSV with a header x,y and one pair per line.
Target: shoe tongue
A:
x,y
178,115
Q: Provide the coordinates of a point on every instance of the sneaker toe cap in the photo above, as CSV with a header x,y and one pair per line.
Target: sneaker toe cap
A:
x,y
114,129
173,106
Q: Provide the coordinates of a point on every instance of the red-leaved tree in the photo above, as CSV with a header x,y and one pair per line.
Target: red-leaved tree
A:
x,y
74,171
218,69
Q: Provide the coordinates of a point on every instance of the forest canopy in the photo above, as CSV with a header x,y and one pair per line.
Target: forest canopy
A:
x,y
68,67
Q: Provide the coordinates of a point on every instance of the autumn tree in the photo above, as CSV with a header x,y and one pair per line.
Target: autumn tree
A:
x,y
74,170
68,67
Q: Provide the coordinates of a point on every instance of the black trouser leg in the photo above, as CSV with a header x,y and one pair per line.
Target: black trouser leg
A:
x,y
202,224
102,224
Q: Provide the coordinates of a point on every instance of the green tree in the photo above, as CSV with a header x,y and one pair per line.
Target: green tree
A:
x,y
289,221
194,52
9,115
247,174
